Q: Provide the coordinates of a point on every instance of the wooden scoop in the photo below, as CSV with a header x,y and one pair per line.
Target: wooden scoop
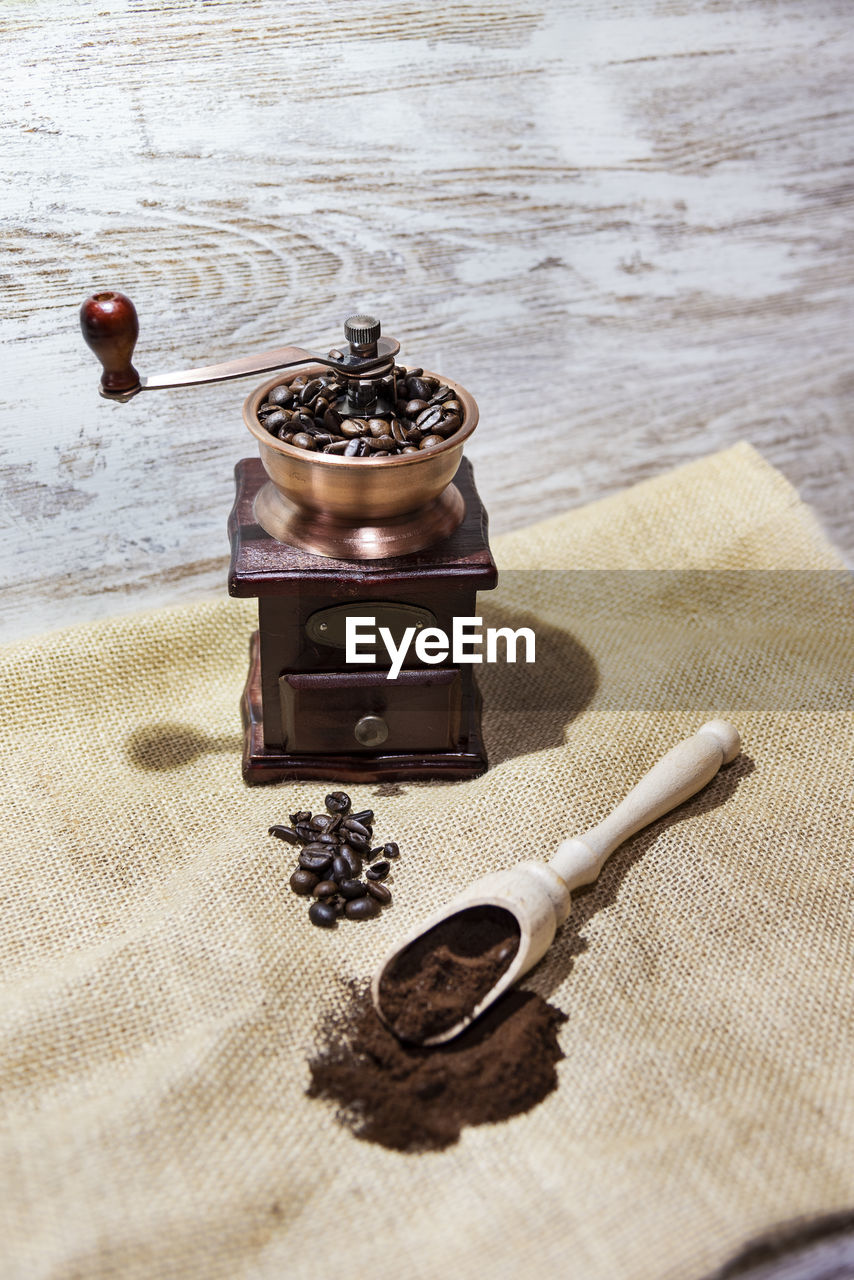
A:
x,y
537,894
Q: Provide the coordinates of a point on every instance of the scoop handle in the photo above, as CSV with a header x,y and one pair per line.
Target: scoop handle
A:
x,y
683,772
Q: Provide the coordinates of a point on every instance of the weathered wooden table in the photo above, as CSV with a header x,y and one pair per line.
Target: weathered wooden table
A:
x,y
624,226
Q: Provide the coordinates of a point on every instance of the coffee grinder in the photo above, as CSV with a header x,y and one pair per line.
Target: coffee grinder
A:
x,y
319,538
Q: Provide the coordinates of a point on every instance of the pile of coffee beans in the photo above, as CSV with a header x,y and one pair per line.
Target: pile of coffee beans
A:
x,y
336,845
313,414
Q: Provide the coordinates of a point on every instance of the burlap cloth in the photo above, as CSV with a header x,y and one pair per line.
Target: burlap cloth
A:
x,y
161,985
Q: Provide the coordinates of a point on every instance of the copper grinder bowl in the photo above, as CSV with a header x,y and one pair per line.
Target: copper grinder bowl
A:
x,y
359,508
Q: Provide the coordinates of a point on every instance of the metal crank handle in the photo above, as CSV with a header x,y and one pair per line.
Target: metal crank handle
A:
x,y
683,772
110,327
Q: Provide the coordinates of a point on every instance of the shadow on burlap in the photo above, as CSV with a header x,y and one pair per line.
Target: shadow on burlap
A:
x,y
161,985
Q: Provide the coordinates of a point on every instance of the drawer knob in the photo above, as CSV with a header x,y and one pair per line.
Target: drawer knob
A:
x,y
370,731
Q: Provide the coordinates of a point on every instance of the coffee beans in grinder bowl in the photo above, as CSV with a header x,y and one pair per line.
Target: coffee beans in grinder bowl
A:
x,y
414,412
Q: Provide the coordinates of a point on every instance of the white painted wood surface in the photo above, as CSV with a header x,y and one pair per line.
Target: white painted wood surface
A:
x,y
624,227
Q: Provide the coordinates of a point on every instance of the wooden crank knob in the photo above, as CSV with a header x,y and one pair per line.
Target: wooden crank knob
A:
x,y
110,326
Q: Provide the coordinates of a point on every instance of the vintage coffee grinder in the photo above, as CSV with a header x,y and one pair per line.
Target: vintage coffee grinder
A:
x,y
320,537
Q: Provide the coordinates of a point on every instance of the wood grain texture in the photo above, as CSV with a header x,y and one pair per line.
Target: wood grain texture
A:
x,y
625,227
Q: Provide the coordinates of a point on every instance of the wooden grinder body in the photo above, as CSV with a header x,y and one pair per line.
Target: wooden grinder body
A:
x,y
309,714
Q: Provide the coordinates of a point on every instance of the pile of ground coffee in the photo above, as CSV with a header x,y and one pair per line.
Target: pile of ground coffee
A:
x,y
415,1099
443,975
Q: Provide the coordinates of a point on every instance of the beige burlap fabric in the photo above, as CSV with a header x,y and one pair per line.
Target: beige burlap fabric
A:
x,y
161,985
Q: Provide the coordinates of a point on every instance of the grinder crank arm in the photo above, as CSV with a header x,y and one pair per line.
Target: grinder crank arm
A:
x,y
110,327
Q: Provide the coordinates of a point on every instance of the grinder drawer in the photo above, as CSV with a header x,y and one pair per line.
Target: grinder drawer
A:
x,y
330,711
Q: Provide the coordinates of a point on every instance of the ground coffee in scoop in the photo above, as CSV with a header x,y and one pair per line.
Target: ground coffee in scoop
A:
x,y
443,975
415,1099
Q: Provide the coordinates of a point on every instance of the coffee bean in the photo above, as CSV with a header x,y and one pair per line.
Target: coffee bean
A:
x,y
273,421
332,419
302,881
379,891
431,442
409,448
360,843
337,802
304,815
352,889
341,869
317,844
413,407
323,914
381,444
361,909
352,858
378,871
325,889
354,427
356,826
420,388
441,395
304,832
302,440
320,821
280,395
354,449
427,420
391,850
310,391
334,824
284,833
316,862
338,446
365,816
